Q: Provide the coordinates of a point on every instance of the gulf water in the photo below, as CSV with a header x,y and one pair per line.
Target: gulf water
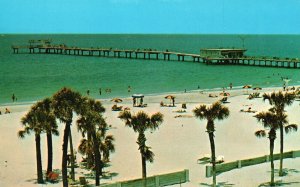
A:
x,y
35,76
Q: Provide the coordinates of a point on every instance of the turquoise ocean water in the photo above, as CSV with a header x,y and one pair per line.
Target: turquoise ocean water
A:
x,y
35,76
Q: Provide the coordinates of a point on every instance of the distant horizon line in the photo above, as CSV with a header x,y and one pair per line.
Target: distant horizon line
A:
x,y
147,33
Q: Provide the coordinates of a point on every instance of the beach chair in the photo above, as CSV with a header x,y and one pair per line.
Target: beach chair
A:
x,y
52,177
83,181
116,108
162,104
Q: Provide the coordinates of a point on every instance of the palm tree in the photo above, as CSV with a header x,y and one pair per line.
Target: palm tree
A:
x,y
65,102
86,148
50,126
269,121
140,123
31,122
90,119
279,101
215,111
106,147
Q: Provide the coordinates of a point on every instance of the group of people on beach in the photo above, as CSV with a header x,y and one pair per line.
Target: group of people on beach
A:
x,y
107,90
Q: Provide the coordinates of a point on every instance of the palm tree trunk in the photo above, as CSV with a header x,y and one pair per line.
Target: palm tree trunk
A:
x,y
272,161
97,158
72,156
90,156
142,144
144,170
64,169
144,166
213,157
281,150
39,159
50,152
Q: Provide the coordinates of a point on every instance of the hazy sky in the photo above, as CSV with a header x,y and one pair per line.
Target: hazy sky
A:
x,y
150,16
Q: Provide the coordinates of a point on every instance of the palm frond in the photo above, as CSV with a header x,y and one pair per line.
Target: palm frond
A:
x,y
126,117
156,119
21,134
260,133
200,112
148,154
55,132
267,97
291,128
268,119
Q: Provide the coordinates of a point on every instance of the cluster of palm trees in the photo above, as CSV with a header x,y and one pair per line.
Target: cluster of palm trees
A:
x,y
275,118
96,145
272,120
42,118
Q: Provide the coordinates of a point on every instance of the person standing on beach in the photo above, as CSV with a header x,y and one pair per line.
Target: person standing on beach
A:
x,y
134,101
13,97
230,85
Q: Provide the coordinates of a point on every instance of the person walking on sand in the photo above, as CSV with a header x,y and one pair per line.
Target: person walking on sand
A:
x,y
13,97
173,101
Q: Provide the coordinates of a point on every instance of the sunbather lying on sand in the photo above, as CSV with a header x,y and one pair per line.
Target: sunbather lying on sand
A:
x,y
212,95
183,116
180,111
249,110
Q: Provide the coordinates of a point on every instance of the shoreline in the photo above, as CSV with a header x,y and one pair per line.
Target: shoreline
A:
x,y
237,90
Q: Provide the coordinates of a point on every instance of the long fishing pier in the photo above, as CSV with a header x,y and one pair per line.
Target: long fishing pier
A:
x,y
207,56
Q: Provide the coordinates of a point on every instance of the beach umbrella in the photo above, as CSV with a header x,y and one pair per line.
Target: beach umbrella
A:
x,y
247,87
257,88
225,94
169,97
117,100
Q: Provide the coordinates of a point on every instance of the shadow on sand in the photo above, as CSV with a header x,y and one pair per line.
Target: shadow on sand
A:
x,y
219,184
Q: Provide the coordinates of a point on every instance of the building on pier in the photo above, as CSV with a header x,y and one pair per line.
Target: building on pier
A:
x,y
39,43
222,53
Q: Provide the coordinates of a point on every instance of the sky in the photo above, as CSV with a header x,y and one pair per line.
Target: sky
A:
x,y
151,16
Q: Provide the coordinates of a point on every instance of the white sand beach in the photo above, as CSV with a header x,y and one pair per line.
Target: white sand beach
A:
x,y
177,144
